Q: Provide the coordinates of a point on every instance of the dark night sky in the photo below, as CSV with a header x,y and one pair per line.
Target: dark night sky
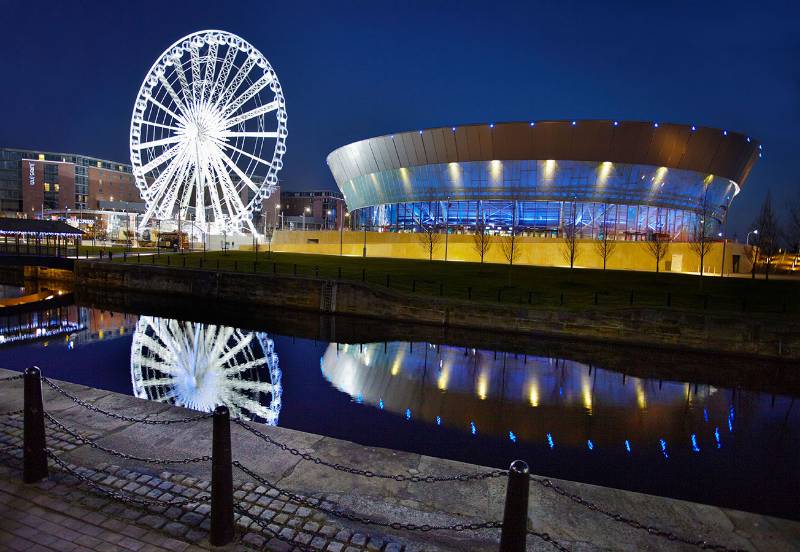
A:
x,y
351,70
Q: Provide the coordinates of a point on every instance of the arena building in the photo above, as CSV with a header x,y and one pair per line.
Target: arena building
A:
x,y
635,180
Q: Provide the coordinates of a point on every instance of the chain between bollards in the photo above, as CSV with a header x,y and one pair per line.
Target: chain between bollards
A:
x,y
35,450
515,517
221,480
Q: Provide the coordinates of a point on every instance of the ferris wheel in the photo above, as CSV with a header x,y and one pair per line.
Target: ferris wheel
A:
x,y
202,366
208,133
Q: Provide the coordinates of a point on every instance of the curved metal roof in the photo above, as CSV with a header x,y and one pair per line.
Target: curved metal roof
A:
x,y
705,150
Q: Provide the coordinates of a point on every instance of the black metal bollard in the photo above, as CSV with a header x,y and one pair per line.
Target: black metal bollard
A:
x,y
669,299
35,456
236,266
221,480
183,258
561,299
630,300
387,281
295,269
514,533
499,295
254,266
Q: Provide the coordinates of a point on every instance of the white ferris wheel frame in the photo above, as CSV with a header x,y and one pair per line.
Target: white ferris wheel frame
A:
x,y
197,134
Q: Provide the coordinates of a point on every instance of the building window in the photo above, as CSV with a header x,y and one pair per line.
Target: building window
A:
x,y
46,186
56,187
41,157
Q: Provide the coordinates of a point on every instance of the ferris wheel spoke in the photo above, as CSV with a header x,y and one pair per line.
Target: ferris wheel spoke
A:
x,y
167,110
161,142
239,172
162,187
163,179
194,56
168,127
233,351
227,188
250,155
187,93
165,156
246,116
224,71
211,66
253,134
172,94
235,82
213,193
251,91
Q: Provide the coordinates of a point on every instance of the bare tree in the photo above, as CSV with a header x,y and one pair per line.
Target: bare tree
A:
x,y
569,246
510,244
768,237
793,230
605,247
481,241
430,240
702,243
658,248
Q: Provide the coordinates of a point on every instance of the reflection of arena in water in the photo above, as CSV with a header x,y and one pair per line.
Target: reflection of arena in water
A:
x,y
506,394
201,366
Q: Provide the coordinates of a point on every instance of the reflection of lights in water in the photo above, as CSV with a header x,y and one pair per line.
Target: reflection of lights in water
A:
x,y
550,441
533,396
441,382
641,398
695,448
730,420
716,437
586,392
472,428
663,444
483,386
627,445
408,413
202,366
380,404
512,437
590,444
705,414
438,420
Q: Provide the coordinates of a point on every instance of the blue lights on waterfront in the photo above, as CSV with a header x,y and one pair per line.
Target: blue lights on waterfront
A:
x,y
380,404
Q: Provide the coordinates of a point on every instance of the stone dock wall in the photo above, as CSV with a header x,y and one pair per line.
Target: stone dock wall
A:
x,y
762,335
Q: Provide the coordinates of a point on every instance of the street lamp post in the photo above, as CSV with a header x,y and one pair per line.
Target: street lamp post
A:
x,y
747,240
341,235
306,210
446,226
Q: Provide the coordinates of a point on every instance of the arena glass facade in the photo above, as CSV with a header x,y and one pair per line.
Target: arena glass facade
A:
x,y
635,180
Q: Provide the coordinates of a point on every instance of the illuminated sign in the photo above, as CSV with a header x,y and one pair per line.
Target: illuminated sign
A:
x,y
31,174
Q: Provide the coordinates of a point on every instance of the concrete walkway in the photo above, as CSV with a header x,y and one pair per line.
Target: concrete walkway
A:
x,y
573,525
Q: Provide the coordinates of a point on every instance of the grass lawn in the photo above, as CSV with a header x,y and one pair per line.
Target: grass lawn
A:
x,y
543,286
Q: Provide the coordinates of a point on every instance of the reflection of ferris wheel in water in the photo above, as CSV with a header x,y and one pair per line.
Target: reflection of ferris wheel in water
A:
x,y
208,132
201,366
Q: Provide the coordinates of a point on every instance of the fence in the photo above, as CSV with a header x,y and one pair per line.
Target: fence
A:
x,y
513,528
514,292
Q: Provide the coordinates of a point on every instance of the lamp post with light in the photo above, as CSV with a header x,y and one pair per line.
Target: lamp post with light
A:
x,y
341,234
306,210
747,240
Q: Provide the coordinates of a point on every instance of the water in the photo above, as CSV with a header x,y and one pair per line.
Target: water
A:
x,y
569,419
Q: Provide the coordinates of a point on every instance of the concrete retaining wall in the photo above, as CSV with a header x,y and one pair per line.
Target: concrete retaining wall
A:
x,y
627,255
762,335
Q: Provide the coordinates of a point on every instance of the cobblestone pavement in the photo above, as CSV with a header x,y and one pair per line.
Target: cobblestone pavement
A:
x,y
63,513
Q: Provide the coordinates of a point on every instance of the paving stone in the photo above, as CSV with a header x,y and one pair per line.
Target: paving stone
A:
x,y
156,522
318,542
359,539
335,547
255,540
175,529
